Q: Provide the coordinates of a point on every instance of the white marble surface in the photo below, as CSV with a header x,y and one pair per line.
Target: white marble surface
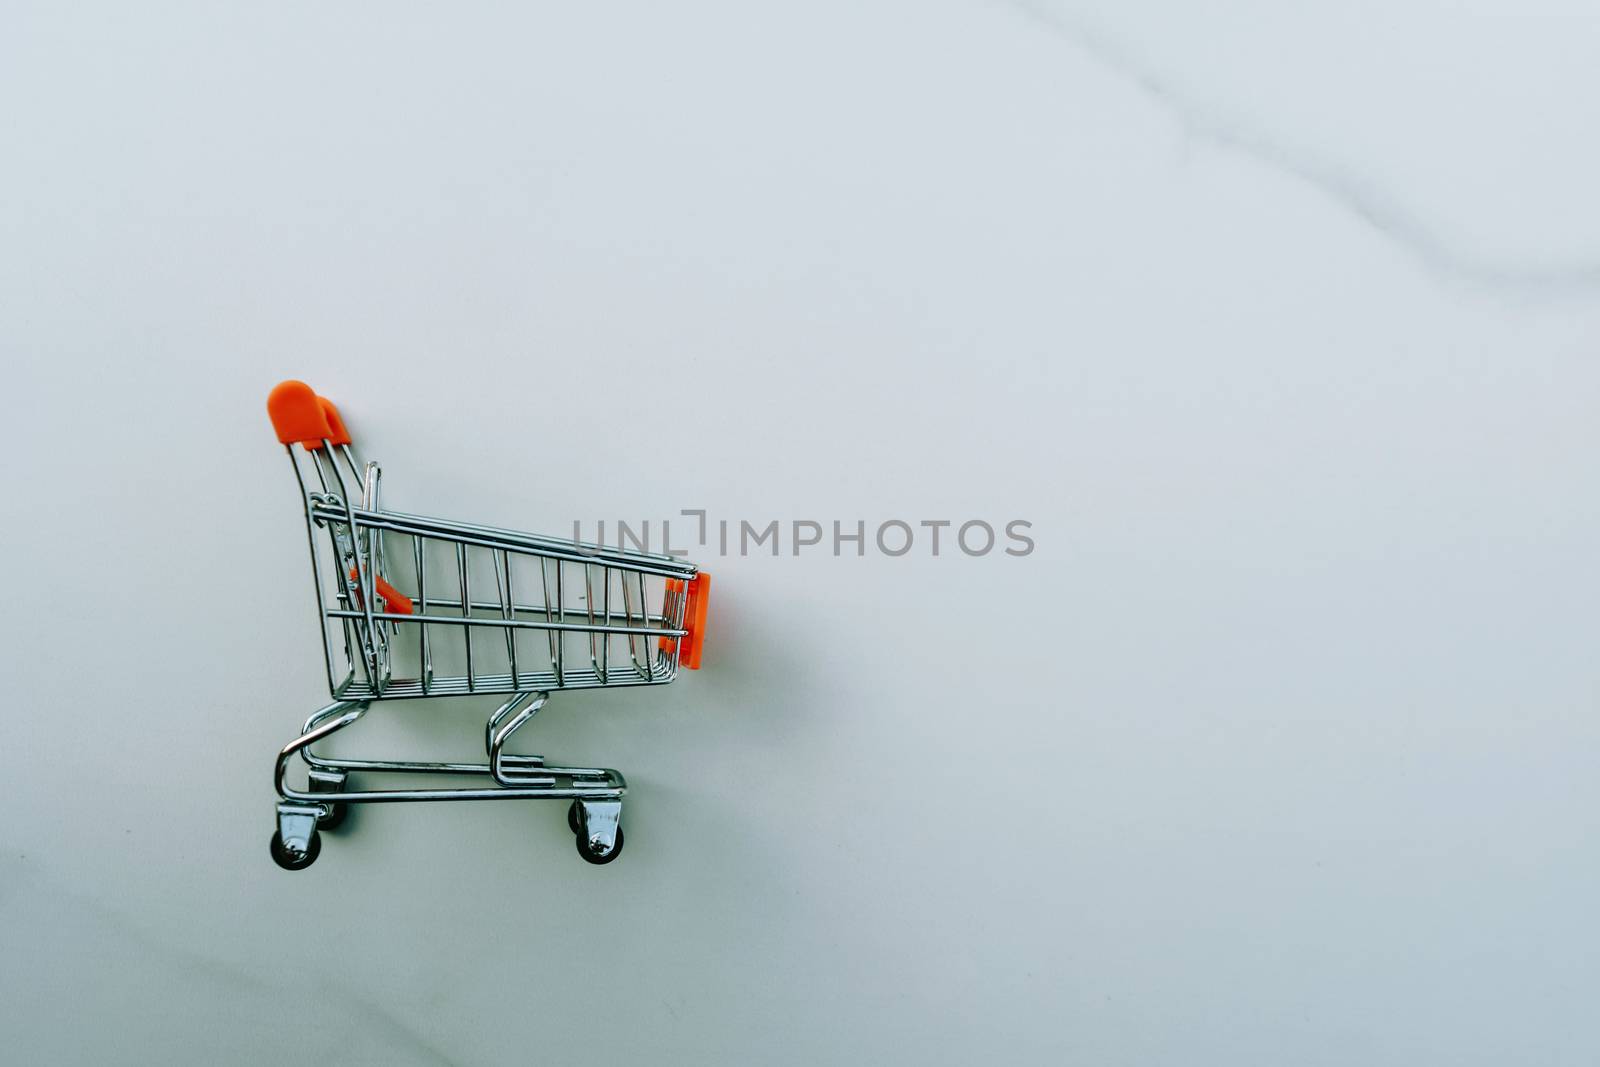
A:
x,y
1280,322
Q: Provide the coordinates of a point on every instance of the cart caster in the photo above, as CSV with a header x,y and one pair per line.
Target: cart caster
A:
x,y
293,859
596,824
587,849
321,781
296,844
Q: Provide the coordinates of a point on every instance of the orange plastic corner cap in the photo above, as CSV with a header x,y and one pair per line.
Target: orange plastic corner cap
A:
x,y
695,620
297,415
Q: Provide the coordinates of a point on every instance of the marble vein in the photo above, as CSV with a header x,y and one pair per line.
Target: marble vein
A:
x,y
30,898
1384,214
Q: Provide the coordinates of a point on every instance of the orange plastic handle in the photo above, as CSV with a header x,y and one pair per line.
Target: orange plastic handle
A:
x,y
336,431
398,602
694,618
297,414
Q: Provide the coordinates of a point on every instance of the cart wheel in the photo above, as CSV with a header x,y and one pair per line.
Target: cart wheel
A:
x,y
299,861
574,820
335,817
616,850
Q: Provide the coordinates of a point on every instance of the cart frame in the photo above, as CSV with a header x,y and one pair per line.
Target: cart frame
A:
x,y
366,622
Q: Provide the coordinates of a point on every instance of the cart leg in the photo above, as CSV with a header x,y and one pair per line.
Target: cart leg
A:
x,y
326,781
598,824
296,844
509,770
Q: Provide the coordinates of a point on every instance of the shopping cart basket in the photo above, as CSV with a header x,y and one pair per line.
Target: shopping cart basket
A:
x,y
485,611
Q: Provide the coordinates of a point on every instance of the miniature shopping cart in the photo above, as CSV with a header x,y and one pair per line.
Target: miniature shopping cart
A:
x,y
484,611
